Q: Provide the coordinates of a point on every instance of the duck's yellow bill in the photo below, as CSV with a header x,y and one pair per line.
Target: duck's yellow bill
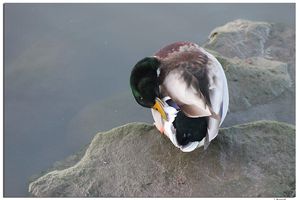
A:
x,y
159,107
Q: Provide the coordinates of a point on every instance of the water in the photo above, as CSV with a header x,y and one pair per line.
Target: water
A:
x,y
67,69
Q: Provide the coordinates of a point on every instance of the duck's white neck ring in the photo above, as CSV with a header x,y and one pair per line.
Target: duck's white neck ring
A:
x,y
158,72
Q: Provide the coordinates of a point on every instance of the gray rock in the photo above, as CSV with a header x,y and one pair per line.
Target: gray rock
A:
x,y
135,160
254,81
244,39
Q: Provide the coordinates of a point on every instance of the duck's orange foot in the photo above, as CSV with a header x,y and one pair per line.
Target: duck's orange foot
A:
x,y
159,128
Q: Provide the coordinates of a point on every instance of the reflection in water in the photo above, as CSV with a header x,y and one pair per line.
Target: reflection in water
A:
x,y
67,68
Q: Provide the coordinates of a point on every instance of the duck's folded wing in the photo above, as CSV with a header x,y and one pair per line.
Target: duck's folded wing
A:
x,y
218,93
186,97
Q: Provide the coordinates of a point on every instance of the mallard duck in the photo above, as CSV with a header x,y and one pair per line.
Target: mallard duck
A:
x,y
186,89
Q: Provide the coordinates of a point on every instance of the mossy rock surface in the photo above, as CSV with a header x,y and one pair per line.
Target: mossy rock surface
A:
x,y
135,160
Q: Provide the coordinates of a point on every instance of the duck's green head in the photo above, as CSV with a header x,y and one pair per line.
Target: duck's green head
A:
x,y
144,81
144,84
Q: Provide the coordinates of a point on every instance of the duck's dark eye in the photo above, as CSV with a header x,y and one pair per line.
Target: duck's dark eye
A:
x,y
141,98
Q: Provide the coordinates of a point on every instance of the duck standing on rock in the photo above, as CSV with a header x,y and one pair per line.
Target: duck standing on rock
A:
x,y
186,89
